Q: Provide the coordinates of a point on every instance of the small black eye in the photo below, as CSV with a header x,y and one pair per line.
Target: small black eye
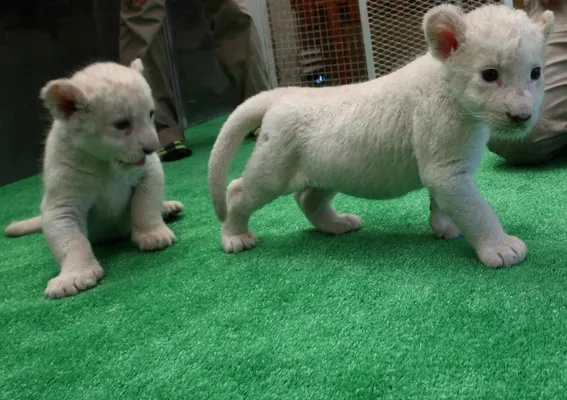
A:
x,y
122,124
490,75
536,73
152,114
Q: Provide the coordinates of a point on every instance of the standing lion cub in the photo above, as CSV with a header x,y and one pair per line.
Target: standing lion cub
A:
x,y
102,178
424,125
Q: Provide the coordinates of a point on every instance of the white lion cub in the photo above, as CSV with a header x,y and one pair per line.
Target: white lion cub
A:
x,y
424,125
102,178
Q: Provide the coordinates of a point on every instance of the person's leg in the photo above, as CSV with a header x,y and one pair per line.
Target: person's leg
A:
x,y
142,35
238,46
549,135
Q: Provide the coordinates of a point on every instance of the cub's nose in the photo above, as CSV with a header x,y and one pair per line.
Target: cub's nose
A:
x,y
519,117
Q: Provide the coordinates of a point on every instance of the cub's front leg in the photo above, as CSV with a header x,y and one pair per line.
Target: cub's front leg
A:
x,y
65,230
149,230
459,197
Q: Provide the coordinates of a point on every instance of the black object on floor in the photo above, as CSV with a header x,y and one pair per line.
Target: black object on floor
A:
x,y
174,151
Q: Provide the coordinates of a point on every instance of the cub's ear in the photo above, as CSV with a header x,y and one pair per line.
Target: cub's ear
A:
x,y
444,30
137,65
63,98
546,23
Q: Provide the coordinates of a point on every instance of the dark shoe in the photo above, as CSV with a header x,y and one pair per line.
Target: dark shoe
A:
x,y
174,151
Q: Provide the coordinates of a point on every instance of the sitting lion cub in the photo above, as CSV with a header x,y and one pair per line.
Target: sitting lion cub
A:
x,y
102,177
424,125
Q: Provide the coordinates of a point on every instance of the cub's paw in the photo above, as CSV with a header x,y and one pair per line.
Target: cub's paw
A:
x,y
339,224
71,281
443,226
236,243
345,223
157,238
171,208
506,253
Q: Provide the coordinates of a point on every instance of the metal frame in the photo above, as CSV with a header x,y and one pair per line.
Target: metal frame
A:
x,y
367,39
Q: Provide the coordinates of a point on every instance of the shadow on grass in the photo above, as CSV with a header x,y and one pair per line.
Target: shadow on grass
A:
x,y
120,256
380,248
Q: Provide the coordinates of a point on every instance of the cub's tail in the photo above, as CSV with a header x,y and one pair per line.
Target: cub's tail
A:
x,y
245,118
25,227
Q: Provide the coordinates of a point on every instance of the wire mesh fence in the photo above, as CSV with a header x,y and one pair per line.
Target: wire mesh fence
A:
x,y
320,42
396,29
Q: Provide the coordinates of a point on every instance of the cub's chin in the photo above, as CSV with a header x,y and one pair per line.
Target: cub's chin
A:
x,y
509,130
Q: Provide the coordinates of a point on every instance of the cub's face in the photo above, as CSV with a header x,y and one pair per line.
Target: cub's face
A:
x,y
503,82
494,58
108,111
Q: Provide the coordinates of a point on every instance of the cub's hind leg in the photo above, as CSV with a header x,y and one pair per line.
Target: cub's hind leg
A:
x,y
271,172
316,205
242,201
440,222
170,209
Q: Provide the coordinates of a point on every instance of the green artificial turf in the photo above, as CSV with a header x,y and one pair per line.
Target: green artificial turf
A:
x,y
386,312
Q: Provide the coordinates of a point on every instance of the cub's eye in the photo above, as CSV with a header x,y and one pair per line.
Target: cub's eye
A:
x,y
152,114
122,124
536,73
490,75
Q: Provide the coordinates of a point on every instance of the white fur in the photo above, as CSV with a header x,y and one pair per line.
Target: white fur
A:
x,y
424,125
92,191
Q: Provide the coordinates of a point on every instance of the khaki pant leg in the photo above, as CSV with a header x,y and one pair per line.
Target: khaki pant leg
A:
x,y
142,35
237,46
